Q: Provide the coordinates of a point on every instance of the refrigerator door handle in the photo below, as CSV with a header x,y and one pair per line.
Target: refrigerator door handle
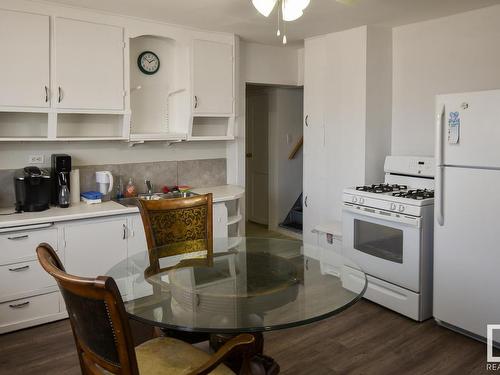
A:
x,y
439,166
439,195
439,136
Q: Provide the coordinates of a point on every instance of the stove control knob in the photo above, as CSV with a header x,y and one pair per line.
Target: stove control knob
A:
x,y
354,199
393,207
361,200
401,208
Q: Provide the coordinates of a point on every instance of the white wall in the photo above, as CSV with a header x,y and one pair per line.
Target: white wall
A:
x,y
452,54
270,64
266,65
285,129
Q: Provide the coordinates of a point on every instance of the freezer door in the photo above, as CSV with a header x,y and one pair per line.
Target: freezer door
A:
x,y
467,251
468,129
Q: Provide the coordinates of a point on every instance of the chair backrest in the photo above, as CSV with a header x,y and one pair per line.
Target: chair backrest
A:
x,y
177,226
100,324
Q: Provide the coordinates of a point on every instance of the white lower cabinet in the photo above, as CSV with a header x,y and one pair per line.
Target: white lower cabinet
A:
x,y
29,311
28,295
88,248
94,246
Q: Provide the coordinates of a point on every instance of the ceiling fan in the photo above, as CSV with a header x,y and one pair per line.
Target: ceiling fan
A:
x,y
288,10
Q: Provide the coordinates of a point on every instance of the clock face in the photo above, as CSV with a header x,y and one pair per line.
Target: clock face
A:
x,y
148,62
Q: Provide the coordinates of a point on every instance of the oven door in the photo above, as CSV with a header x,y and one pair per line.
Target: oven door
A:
x,y
383,244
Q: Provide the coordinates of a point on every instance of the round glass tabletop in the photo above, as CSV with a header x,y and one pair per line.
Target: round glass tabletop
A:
x,y
245,285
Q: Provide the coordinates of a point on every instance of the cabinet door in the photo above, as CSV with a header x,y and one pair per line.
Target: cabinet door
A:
x,y
88,65
24,69
220,220
94,246
212,78
314,166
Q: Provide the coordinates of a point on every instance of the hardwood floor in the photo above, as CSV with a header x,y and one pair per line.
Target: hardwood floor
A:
x,y
365,339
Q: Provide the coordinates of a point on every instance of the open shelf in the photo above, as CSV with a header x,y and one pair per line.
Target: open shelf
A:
x,y
138,137
212,128
234,219
160,101
23,126
87,126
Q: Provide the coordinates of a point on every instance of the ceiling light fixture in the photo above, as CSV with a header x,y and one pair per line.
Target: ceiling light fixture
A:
x,y
289,10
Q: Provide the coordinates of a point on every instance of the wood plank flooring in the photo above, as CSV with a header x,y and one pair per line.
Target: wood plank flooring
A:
x,y
365,339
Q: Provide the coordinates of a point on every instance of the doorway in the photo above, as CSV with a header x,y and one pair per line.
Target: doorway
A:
x,y
273,152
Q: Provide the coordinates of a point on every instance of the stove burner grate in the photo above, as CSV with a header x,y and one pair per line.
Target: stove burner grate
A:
x,y
417,194
381,188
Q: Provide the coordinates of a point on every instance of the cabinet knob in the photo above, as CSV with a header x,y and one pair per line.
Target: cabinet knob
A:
x,y
59,94
195,101
306,121
46,94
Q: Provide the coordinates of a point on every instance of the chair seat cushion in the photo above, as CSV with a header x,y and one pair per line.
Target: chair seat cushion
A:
x,y
168,356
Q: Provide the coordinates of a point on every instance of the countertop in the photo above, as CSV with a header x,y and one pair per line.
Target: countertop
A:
x,y
55,214
222,193
86,211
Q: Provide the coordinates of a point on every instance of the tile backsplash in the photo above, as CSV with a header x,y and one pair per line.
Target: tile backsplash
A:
x,y
196,173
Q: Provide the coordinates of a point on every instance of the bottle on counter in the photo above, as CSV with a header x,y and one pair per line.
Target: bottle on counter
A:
x,y
131,189
64,196
119,189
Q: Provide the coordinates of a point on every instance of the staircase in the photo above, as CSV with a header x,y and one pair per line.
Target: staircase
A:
x,y
293,220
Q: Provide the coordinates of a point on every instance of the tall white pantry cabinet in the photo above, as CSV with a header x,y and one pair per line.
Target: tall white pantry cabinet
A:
x,y
347,119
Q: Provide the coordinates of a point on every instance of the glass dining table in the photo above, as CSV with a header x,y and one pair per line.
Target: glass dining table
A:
x,y
245,285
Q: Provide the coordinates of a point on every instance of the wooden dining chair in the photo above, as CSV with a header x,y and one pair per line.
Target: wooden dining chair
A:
x,y
103,336
177,226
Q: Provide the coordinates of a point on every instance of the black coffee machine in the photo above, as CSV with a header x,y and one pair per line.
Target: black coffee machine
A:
x,y
61,168
33,189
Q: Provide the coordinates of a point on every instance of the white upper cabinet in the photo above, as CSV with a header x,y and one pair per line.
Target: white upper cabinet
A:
x,y
89,66
24,73
213,86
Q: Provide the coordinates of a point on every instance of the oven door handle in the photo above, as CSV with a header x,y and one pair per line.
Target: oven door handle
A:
x,y
414,222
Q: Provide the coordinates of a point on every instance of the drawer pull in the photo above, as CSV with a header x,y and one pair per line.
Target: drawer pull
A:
x,y
19,305
23,237
19,269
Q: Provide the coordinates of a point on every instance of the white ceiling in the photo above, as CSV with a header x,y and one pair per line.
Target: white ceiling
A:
x,y
321,17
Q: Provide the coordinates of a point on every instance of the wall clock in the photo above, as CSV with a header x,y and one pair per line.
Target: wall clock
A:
x,y
148,62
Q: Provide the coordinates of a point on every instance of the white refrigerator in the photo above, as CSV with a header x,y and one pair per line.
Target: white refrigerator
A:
x,y
467,212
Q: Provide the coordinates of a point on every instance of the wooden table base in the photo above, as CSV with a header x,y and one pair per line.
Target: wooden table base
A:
x,y
260,364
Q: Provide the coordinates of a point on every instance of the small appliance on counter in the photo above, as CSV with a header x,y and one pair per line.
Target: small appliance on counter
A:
x,y
104,181
33,188
60,172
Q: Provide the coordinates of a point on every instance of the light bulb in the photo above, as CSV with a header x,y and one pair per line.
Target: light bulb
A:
x,y
284,39
265,7
278,33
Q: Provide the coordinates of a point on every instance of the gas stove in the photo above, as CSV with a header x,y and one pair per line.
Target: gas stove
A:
x,y
387,231
403,193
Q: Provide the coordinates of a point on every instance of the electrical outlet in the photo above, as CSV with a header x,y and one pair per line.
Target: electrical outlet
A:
x,y
36,159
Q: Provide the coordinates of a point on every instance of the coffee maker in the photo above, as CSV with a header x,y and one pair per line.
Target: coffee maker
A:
x,y
33,189
61,168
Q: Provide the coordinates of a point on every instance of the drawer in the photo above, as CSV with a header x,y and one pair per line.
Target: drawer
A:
x,y
22,278
21,245
386,294
26,309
